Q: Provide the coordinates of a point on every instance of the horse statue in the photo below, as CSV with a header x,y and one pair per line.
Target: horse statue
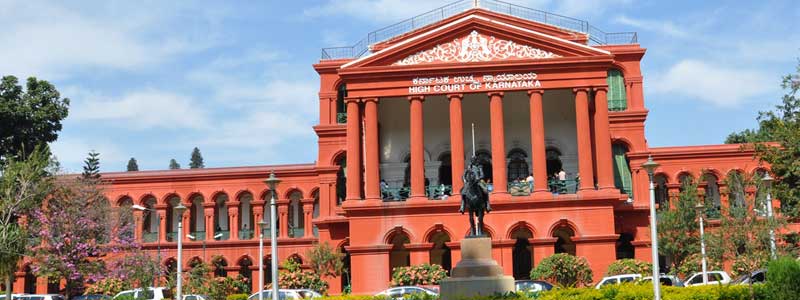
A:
x,y
474,196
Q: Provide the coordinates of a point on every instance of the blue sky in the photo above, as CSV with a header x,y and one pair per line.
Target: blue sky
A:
x,y
153,79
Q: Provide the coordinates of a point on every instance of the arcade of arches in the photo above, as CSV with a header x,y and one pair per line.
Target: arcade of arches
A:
x,y
558,134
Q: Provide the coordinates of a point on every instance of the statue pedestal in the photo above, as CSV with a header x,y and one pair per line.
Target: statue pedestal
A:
x,y
477,273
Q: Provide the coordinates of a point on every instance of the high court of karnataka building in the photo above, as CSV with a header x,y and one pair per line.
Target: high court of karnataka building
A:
x,y
543,92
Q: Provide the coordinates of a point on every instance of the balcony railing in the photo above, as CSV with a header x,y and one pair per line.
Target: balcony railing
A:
x,y
596,36
245,234
172,236
568,186
438,191
226,235
341,118
297,232
150,237
267,232
519,188
199,235
395,194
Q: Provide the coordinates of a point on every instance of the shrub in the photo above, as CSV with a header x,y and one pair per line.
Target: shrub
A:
x,y
108,286
565,270
295,278
424,274
645,291
693,264
744,264
629,266
783,278
237,297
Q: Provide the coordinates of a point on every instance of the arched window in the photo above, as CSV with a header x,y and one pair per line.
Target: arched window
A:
x,y
736,193
197,218
341,180
244,269
522,255
485,160
553,156
345,278
399,255
440,253
622,170
171,266
661,191
341,108
761,192
624,246
126,224
151,221
712,199
219,264
172,220
564,243
245,216
221,226
315,213
517,166
445,169
30,281
685,180
267,215
616,91
296,218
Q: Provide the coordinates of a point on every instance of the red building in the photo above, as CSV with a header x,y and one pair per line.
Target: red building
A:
x,y
548,96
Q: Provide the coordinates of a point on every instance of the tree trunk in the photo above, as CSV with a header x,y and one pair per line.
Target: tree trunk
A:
x,y
9,288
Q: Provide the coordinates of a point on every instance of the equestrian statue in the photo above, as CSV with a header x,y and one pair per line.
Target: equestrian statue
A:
x,y
474,197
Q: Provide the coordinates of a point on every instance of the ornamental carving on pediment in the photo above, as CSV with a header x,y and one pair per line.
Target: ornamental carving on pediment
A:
x,y
475,48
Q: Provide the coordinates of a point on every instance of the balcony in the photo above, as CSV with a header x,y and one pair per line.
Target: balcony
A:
x,y
245,234
199,235
150,237
341,118
568,186
171,236
266,232
296,232
226,235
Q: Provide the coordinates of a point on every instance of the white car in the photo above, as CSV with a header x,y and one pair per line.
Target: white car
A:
x,y
194,297
617,279
13,296
38,297
714,277
399,291
150,293
288,294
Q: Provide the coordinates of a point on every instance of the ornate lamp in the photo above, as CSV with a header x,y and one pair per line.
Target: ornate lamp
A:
x,y
700,209
767,180
272,182
179,210
651,166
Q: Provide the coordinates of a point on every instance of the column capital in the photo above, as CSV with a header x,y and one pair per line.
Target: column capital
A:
x,y
495,94
598,88
327,95
416,97
371,99
536,91
634,79
581,89
453,96
349,100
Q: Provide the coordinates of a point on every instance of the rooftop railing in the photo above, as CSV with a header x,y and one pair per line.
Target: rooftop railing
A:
x,y
596,36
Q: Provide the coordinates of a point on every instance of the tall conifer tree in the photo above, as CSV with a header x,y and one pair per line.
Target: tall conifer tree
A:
x,y
132,165
197,160
174,165
91,168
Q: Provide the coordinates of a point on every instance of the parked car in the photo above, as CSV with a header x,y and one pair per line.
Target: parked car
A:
x,y
195,297
39,297
714,277
617,279
13,296
92,297
667,280
757,276
287,294
150,293
532,285
400,291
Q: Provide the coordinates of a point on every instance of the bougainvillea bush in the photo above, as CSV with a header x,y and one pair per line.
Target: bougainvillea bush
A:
x,y
108,286
424,274
629,266
293,277
564,270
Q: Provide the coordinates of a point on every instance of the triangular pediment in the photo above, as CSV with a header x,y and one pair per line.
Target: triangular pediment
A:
x,y
475,39
475,47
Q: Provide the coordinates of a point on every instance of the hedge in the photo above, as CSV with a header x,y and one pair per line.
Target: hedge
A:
x,y
237,297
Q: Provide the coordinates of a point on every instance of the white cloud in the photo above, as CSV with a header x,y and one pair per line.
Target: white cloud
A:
x,y
53,40
662,27
71,152
722,86
145,109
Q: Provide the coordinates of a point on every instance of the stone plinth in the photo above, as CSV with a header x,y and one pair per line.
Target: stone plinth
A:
x,y
477,273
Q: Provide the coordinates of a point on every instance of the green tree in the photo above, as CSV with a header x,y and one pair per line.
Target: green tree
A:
x,y
325,260
174,165
564,270
678,230
28,117
91,167
132,165
24,183
197,160
777,142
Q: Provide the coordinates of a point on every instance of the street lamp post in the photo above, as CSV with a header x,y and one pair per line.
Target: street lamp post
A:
x,y
158,234
767,180
261,225
179,210
651,166
272,182
700,210
194,238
